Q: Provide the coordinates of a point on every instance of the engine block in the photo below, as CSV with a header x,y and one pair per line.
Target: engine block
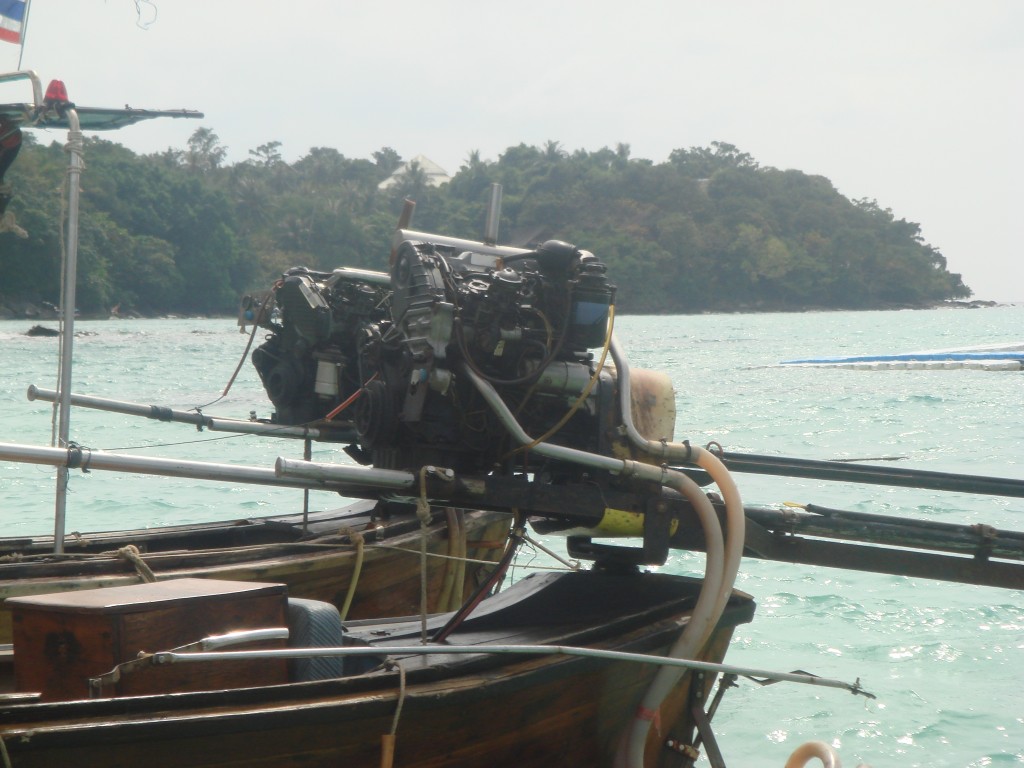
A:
x,y
390,352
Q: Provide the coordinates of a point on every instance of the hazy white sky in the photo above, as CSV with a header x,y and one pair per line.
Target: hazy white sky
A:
x,y
918,104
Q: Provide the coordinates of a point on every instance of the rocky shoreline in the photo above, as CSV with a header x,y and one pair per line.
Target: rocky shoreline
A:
x,y
21,309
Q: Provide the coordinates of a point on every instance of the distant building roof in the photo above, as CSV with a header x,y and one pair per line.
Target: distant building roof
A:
x,y
436,175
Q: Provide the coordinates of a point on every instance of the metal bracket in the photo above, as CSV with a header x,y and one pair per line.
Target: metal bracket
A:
x,y
705,736
654,551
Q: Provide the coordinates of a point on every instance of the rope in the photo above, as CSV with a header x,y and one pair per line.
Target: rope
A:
x,y
387,741
357,539
401,698
484,589
245,352
16,557
460,566
447,585
475,561
423,513
570,564
422,503
131,554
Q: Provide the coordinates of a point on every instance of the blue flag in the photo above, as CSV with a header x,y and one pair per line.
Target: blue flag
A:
x,y
12,20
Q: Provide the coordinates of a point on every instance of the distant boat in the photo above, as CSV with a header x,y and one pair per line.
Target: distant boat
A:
x,y
989,357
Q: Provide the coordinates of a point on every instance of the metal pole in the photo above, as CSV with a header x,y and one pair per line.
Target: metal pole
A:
x,y
75,144
344,474
173,657
24,32
161,413
32,77
816,469
493,215
307,455
369,481
458,242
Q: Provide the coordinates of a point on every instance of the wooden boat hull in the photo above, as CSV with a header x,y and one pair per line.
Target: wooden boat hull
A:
x,y
456,711
318,565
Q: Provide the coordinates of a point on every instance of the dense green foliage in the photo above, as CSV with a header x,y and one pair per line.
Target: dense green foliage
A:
x,y
709,229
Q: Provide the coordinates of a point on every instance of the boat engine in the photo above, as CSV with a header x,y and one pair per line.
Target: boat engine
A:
x,y
392,353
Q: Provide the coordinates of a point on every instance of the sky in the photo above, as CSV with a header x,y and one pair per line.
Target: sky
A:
x,y
916,104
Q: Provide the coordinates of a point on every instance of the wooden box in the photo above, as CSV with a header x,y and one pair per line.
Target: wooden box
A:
x,y
63,639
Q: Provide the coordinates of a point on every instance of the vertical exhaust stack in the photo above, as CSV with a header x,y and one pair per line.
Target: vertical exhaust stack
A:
x,y
493,215
404,220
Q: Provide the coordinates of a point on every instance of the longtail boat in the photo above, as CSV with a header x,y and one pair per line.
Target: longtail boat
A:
x,y
422,705
468,376
363,558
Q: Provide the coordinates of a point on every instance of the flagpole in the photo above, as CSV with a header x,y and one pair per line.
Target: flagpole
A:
x,y
24,32
67,314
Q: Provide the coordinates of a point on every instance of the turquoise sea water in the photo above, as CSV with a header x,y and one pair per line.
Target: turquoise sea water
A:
x,y
946,661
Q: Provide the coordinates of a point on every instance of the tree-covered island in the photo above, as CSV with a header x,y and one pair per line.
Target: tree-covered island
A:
x,y
707,230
